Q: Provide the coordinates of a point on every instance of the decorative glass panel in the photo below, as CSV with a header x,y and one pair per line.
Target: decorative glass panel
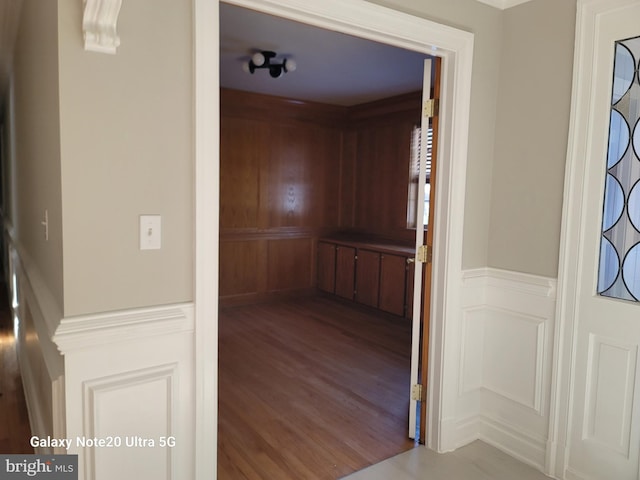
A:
x,y
619,271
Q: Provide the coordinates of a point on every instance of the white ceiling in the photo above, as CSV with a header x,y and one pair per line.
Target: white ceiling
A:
x,y
332,67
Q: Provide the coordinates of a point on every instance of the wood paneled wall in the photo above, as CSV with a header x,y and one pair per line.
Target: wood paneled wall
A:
x,y
380,137
293,171
280,164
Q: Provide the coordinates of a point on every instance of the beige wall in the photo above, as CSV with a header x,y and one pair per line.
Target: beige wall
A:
x,y
520,95
121,144
486,24
33,134
531,136
126,138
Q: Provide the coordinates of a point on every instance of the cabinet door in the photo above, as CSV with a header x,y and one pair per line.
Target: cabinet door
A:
x,y
345,271
368,277
393,270
327,267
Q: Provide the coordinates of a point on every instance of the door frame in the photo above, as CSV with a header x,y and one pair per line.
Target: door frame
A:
x,y
588,17
373,22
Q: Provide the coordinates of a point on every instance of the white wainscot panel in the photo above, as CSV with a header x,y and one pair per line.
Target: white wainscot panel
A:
x,y
473,327
609,400
129,383
115,407
503,383
513,356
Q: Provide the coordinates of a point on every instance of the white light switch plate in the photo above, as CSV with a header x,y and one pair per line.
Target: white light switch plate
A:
x,y
150,232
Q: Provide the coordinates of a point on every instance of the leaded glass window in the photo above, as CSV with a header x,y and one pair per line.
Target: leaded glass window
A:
x,y
619,269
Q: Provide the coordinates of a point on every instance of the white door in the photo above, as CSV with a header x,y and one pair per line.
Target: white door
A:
x,y
604,402
420,240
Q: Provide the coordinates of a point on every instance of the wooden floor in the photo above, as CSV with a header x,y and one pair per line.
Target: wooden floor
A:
x,y
14,420
310,389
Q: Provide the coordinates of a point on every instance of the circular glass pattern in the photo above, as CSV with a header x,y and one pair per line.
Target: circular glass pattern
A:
x,y
613,202
636,138
618,138
631,271
609,265
633,206
623,73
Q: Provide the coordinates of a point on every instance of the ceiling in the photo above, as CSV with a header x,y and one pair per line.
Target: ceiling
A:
x,y
332,67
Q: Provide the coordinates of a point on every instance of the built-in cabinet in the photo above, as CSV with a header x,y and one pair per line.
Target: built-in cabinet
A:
x,y
373,274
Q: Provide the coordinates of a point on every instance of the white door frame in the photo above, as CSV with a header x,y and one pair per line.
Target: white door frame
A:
x,y
373,22
588,17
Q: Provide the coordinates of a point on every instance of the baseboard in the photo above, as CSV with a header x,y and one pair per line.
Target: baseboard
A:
x,y
513,441
264,297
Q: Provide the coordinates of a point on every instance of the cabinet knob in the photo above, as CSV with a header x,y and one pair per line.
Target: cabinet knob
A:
x,y
411,260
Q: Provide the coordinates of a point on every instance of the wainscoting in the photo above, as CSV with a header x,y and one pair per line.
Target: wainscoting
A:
x,y
122,379
505,366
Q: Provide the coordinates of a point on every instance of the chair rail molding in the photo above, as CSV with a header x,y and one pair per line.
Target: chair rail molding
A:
x,y
99,22
503,4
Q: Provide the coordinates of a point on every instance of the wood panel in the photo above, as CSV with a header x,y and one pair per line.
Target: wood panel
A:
x,y
280,164
290,264
298,169
242,154
301,179
368,277
327,267
382,164
318,390
393,269
239,267
345,271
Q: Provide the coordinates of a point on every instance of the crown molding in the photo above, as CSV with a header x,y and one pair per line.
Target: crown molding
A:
x,y
503,4
99,23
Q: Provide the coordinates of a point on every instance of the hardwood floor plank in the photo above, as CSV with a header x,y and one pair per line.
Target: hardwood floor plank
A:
x,y
15,431
310,389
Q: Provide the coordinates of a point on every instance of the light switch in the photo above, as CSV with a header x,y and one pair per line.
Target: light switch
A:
x,y
150,232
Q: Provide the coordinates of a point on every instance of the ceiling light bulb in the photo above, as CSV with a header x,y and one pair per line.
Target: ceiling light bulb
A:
x,y
290,65
246,67
258,59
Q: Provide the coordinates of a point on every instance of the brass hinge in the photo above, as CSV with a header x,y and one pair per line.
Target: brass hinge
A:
x,y
430,108
424,254
416,392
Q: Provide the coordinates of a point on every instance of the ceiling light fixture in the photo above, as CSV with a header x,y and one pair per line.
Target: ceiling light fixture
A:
x,y
264,60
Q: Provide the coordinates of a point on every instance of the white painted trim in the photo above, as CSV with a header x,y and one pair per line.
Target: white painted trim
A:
x,y
34,295
512,439
516,281
587,20
503,4
99,25
48,308
513,421
370,21
89,331
207,187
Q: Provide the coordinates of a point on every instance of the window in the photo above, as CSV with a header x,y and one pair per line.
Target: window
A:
x,y
619,268
414,173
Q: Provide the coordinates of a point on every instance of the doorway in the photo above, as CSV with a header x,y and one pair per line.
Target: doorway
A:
x,y
376,23
290,170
